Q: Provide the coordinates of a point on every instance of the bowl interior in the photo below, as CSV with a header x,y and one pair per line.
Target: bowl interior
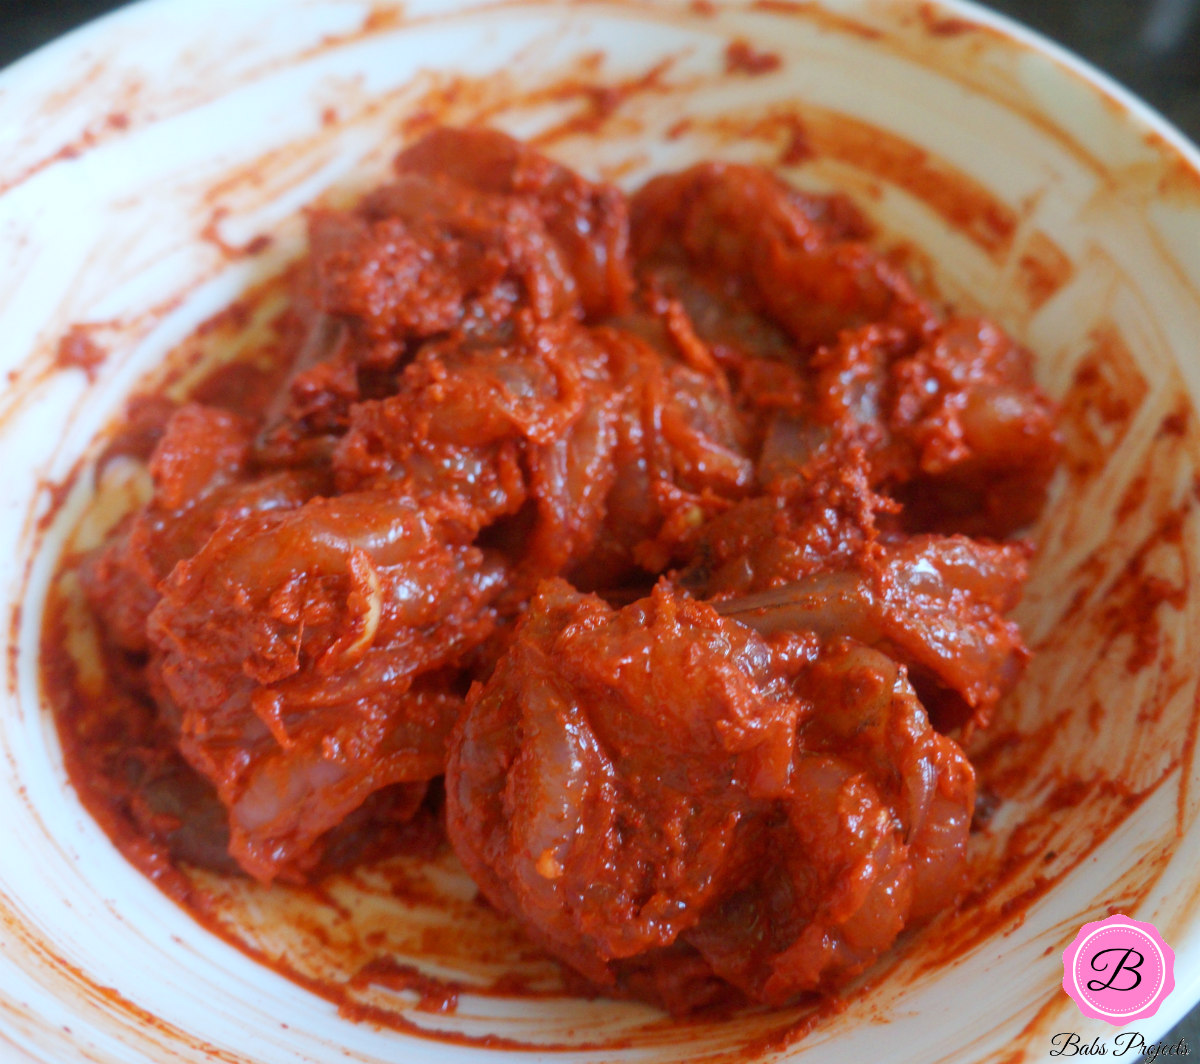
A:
x,y
155,146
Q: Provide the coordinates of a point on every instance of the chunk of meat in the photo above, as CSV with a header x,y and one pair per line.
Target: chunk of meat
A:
x,y
576,447
522,431
680,454
288,649
587,220
874,839
449,261
804,267
596,782
475,227
629,783
984,438
935,603
827,517
196,469
952,424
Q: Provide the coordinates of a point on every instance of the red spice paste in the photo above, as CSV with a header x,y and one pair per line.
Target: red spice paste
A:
x,y
653,547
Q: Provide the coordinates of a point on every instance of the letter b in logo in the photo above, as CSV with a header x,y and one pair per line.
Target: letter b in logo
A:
x,y
1130,961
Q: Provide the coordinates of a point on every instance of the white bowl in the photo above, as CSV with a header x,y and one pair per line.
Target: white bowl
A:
x,y
138,155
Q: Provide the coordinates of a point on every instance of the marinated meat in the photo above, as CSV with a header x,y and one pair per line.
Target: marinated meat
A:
x,y
660,527
631,780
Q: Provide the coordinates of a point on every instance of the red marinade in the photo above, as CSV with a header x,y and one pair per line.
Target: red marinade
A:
x,y
664,535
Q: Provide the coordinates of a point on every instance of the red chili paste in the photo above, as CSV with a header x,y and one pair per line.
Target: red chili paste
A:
x,y
654,548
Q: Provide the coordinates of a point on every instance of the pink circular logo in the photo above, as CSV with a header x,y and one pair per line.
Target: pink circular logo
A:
x,y
1118,970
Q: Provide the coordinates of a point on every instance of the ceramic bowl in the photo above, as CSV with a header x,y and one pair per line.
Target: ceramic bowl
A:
x,y
143,156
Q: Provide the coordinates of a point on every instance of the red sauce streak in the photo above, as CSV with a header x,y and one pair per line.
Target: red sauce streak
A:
x,y
433,995
741,58
601,100
212,233
939,25
819,14
1105,393
78,349
1044,269
116,122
